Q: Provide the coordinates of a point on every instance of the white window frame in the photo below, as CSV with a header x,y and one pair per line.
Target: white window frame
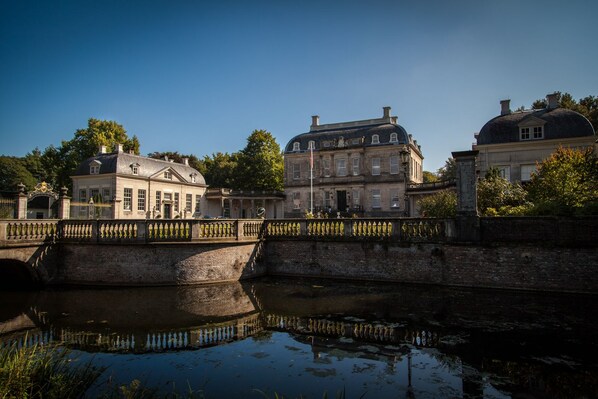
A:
x,y
311,145
188,202
376,167
355,166
296,146
94,169
176,202
526,172
394,138
168,175
326,167
395,199
141,199
394,164
128,199
355,199
296,171
296,200
376,199
341,167
375,139
504,172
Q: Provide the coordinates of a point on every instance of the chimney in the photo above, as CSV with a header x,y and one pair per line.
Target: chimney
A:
x,y
315,120
552,100
186,161
505,107
102,149
386,112
119,148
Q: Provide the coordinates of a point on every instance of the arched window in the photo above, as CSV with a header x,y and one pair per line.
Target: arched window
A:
x,y
393,138
311,145
375,139
296,146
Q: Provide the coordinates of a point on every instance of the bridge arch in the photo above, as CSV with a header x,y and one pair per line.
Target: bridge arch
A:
x,y
18,275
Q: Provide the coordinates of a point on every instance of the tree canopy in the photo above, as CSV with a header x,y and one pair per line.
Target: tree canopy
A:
x,y
13,172
430,177
260,165
566,183
448,171
499,197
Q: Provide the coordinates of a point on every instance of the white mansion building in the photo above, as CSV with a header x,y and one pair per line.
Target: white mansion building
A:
x,y
361,167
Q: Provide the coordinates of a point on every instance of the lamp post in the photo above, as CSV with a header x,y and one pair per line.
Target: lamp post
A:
x,y
405,162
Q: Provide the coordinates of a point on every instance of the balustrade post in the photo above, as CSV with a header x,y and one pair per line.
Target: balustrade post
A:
x,y
95,230
141,230
239,230
303,228
348,227
195,229
3,227
396,230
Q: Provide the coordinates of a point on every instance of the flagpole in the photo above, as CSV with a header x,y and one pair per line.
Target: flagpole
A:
x,y
311,179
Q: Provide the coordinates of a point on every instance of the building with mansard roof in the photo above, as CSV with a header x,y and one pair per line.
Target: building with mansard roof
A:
x,y
359,167
120,185
514,142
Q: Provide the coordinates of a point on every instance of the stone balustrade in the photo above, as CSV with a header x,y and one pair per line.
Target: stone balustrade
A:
x,y
136,231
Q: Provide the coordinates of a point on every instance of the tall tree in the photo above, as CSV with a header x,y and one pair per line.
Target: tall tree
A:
x,y
430,177
194,162
449,170
13,172
566,183
442,204
260,164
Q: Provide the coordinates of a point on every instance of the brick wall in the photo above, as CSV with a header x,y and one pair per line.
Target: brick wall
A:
x,y
510,266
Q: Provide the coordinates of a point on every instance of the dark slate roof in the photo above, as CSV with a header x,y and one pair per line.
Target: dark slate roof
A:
x,y
560,123
121,163
382,130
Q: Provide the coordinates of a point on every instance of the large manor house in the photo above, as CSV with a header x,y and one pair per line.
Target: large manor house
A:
x,y
370,167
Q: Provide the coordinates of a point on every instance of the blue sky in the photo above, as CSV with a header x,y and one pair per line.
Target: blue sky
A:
x,y
198,77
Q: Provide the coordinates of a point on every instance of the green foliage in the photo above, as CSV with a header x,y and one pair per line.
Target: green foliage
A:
x,y
13,172
448,171
43,372
260,164
430,177
566,183
442,204
220,169
498,197
194,162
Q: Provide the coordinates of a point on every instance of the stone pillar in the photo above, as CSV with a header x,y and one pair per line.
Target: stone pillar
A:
x,y
21,212
64,204
467,221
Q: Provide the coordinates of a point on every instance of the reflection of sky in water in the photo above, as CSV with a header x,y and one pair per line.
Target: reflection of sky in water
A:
x,y
278,363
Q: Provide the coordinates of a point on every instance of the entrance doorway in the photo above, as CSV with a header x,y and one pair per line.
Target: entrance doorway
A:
x,y
167,211
341,201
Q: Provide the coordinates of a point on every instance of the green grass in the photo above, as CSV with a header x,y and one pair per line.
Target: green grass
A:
x,y
43,372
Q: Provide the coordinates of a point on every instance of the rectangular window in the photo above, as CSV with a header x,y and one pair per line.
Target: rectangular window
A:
x,y
83,195
141,200
168,175
188,202
105,194
395,201
135,169
296,200
176,202
197,203
525,133
94,169
326,167
505,172
128,199
394,165
355,166
526,172
326,199
296,171
167,196
158,200
375,198
356,201
341,167
95,194
538,134
375,166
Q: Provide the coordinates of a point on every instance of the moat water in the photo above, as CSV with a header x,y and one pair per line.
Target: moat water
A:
x,y
308,338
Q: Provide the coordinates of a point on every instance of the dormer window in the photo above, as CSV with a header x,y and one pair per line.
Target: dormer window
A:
x,y
531,133
168,175
193,177
94,167
296,146
394,138
311,145
135,168
375,139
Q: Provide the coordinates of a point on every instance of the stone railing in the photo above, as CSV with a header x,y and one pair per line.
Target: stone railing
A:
x,y
129,231
156,230
396,229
